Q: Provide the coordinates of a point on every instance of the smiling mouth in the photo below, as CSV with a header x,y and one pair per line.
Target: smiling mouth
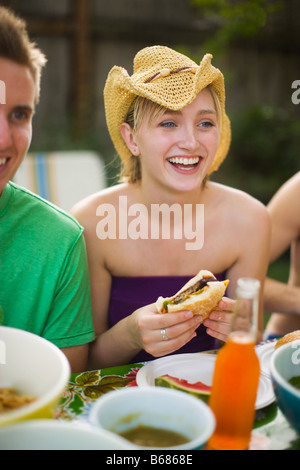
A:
x,y
184,163
3,161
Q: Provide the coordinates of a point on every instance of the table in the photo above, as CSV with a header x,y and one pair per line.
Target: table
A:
x,y
271,430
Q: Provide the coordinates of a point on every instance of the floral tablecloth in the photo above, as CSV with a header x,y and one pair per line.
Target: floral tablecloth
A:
x,y
271,430
83,389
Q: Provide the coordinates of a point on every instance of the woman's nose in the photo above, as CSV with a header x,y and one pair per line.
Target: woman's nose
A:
x,y
188,139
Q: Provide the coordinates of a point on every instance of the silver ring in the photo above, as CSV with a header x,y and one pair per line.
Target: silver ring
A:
x,y
164,334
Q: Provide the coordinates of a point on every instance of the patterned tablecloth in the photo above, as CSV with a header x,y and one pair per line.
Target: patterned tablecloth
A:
x,y
271,430
83,389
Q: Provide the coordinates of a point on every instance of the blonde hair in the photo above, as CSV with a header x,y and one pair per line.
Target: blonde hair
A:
x,y
140,109
16,46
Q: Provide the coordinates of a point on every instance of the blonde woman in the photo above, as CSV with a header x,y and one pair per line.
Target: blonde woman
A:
x,y
169,127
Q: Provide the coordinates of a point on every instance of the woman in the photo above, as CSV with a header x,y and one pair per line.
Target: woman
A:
x,y
169,126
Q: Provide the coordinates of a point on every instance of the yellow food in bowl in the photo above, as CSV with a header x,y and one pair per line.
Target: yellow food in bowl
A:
x,y
35,368
10,399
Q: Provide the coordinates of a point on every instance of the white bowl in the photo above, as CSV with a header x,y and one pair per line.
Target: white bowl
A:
x,y
56,435
35,367
119,411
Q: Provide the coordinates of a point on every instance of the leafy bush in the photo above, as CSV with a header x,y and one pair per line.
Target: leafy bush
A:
x,y
264,151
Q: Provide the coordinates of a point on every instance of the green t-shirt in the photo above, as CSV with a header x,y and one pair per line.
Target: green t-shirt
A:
x,y
44,282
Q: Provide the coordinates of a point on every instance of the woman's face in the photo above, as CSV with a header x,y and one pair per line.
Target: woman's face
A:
x,y
177,148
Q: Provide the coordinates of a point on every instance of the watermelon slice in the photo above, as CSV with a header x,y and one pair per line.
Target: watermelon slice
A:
x,y
198,389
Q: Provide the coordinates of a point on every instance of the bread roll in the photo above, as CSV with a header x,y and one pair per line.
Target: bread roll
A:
x,y
201,303
288,338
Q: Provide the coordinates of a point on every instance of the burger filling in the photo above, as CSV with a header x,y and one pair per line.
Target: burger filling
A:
x,y
195,289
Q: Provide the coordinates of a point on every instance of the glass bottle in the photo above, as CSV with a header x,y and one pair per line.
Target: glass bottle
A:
x,y
236,374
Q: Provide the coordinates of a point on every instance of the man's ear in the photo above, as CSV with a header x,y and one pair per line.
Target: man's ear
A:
x,y
129,139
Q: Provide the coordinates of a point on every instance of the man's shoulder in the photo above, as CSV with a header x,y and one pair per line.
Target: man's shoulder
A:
x,y
43,210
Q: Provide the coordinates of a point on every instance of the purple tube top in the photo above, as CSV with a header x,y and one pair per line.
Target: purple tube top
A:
x,y
130,293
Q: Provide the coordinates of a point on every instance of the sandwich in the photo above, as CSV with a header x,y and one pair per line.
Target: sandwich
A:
x,y
201,295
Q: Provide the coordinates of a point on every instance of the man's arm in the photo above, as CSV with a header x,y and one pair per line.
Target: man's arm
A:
x,y
70,324
77,357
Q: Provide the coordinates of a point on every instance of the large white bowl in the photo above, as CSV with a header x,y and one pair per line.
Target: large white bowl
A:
x,y
157,407
56,435
35,367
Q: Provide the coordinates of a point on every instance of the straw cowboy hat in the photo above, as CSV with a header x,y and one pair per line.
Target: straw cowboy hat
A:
x,y
168,78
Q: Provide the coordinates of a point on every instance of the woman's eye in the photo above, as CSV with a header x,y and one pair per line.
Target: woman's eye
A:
x,y
206,124
167,124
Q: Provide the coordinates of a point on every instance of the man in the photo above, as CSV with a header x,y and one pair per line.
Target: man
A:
x,y
44,283
284,210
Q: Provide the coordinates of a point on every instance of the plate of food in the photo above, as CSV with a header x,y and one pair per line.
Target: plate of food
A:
x,y
193,373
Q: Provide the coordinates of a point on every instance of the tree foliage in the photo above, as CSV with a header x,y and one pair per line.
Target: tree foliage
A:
x,y
234,19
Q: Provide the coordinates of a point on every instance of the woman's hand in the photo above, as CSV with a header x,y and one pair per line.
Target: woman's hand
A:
x,y
218,323
161,334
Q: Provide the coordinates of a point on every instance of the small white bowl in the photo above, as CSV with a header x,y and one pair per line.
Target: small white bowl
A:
x,y
57,435
35,367
119,411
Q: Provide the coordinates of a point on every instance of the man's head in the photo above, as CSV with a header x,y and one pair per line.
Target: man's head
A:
x,y
20,71
16,46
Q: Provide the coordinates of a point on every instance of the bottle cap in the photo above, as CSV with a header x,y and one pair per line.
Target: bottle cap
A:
x,y
247,287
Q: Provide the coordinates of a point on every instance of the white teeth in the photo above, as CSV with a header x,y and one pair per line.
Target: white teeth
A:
x,y
184,160
2,161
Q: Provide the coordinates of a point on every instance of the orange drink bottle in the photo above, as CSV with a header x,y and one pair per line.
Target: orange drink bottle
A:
x,y
236,374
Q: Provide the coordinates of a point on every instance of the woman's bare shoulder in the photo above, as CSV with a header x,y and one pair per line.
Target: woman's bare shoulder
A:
x,y
86,209
241,215
236,200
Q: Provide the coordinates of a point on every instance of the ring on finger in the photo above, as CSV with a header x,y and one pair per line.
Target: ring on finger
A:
x,y
164,334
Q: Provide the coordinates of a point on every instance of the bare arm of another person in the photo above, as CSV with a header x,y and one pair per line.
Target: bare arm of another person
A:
x,y
284,210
